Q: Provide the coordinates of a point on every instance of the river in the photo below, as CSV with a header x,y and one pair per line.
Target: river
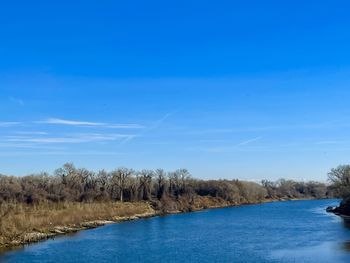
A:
x,y
292,231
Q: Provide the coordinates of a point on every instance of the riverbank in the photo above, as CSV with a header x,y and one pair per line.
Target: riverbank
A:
x,y
343,210
25,224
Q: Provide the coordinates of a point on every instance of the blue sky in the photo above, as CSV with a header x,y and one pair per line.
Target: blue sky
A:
x,y
227,89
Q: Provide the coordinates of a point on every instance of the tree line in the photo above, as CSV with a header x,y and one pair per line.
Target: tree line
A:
x,y
71,184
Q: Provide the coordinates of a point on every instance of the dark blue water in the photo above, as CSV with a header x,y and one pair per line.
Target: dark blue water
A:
x,y
295,231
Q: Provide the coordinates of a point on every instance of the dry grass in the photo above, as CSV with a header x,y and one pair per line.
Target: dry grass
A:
x,y
18,219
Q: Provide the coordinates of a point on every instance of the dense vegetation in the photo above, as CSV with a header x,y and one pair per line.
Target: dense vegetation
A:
x,y
70,184
340,178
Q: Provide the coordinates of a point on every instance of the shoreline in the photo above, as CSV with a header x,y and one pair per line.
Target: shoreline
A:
x,y
32,237
57,231
345,217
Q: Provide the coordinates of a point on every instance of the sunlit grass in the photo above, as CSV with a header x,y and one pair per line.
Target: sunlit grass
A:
x,y
18,219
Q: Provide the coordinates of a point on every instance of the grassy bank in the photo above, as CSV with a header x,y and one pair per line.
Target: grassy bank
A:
x,y
22,224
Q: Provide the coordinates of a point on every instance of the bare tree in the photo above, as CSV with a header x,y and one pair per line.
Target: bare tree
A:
x,y
340,177
145,180
120,178
102,180
183,175
161,182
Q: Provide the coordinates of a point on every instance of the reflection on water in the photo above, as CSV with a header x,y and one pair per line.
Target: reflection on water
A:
x,y
298,231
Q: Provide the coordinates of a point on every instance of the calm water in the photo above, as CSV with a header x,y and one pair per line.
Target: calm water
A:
x,y
297,231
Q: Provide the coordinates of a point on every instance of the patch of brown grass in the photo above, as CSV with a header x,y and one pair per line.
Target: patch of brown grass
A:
x,y
18,219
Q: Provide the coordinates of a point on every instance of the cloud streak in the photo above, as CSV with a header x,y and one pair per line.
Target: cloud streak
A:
x,y
69,122
9,145
59,153
226,149
16,100
154,126
9,123
249,141
332,142
311,126
76,138
31,132
56,121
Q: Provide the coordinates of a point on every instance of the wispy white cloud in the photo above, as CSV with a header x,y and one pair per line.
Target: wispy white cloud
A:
x,y
155,125
31,132
16,100
76,138
325,125
69,122
59,153
210,149
226,148
56,121
124,126
9,123
160,143
333,142
161,120
25,145
249,141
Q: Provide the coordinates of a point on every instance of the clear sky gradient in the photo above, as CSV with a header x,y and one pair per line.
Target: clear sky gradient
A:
x,y
227,89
